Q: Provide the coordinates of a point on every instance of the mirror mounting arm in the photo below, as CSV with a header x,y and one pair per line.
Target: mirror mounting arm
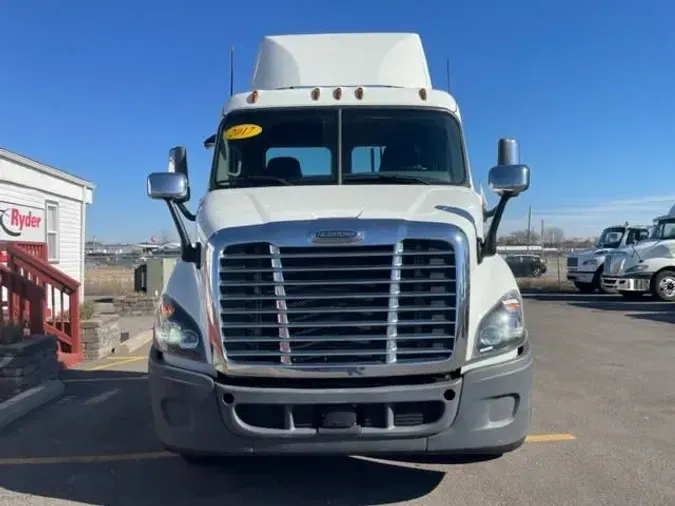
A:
x,y
488,247
186,212
489,213
189,252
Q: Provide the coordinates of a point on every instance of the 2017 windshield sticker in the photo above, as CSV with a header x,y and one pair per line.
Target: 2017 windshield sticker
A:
x,y
245,131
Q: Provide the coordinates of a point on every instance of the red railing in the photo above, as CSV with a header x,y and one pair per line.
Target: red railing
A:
x,y
37,294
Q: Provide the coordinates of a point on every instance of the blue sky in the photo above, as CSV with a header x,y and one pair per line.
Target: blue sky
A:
x,y
104,88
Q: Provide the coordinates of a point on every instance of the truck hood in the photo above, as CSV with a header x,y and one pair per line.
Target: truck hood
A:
x,y
650,249
586,254
239,207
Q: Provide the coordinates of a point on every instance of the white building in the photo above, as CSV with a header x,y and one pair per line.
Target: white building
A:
x,y
41,204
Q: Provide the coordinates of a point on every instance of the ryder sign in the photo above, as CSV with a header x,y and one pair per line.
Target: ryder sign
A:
x,y
21,223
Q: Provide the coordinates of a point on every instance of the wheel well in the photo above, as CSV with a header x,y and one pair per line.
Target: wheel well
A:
x,y
662,269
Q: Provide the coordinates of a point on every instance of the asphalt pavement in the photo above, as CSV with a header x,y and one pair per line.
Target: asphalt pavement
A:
x,y
603,433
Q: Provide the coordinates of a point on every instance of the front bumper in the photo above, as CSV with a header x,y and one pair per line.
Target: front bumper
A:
x,y
485,411
580,276
627,284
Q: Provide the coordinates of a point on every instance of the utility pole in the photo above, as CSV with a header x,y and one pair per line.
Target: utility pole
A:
x,y
529,226
542,233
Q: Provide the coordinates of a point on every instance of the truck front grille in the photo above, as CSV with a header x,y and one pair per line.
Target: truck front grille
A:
x,y
329,305
613,264
572,261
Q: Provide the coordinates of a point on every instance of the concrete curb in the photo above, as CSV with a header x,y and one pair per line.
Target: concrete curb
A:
x,y
30,400
132,344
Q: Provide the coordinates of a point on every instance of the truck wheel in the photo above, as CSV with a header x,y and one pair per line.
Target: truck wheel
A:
x,y
631,296
663,286
584,287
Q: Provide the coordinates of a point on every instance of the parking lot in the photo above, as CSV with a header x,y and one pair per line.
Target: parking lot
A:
x,y
603,432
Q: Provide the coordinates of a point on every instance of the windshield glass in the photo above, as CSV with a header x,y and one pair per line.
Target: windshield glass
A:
x,y
300,146
611,237
664,230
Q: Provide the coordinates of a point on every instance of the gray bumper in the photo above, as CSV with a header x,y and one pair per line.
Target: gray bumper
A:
x,y
485,411
626,284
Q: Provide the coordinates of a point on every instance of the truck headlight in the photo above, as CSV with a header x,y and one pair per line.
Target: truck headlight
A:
x,y
176,333
503,326
592,261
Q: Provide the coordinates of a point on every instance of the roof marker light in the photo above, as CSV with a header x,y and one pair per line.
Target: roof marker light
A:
x,y
315,94
253,97
337,93
423,93
359,93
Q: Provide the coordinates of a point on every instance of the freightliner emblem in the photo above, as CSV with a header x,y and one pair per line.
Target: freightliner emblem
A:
x,y
336,236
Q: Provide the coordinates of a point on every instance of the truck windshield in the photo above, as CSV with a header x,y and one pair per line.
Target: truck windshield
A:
x,y
663,230
322,146
611,237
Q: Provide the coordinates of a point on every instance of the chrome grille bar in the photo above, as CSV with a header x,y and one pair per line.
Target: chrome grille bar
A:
x,y
392,309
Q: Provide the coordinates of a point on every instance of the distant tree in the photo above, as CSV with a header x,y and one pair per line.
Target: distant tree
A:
x,y
553,236
521,237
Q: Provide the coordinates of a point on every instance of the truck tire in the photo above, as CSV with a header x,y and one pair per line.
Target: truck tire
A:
x,y
631,296
663,286
584,287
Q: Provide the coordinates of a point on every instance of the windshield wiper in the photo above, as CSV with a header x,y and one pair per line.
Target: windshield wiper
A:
x,y
392,178
245,179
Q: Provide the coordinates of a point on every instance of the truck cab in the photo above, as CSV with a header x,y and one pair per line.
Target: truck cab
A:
x,y
342,293
584,268
647,268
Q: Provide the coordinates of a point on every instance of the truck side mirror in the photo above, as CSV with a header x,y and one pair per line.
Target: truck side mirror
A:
x,y
171,186
178,164
509,179
178,160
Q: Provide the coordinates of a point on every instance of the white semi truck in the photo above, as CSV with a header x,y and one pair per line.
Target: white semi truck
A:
x,y
329,302
645,268
584,268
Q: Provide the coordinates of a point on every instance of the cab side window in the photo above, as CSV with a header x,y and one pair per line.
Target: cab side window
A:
x,y
633,237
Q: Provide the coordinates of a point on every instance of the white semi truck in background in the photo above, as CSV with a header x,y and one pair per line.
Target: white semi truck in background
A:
x,y
647,267
584,268
329,303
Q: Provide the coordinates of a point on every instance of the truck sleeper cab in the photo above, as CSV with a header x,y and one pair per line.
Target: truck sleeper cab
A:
x,y
341,295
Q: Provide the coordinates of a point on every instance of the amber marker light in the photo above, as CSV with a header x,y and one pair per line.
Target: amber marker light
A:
x,y
359,93
315,94
423,93
253,97
337,93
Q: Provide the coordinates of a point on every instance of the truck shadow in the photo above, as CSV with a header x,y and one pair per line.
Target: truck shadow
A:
x,y
96,445
644,309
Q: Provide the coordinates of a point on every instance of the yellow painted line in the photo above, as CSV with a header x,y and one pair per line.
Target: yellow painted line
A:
x,y
113,363
123,457
549,438
112,378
